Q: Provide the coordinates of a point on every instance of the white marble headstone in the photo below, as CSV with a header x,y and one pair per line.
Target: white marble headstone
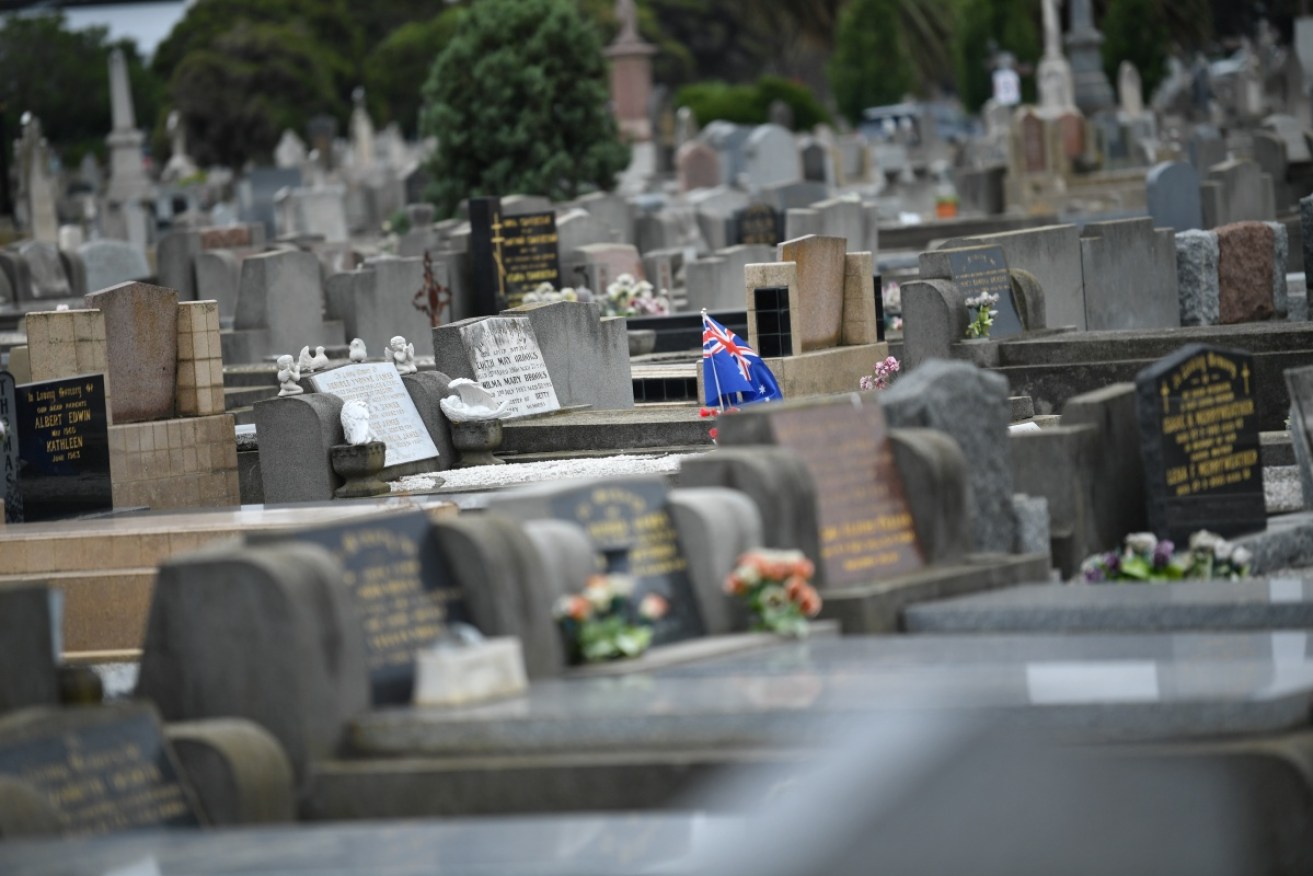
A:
x,y
392,415
508,363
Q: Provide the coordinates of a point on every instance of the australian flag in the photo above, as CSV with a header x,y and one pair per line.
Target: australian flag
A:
x,y
732,373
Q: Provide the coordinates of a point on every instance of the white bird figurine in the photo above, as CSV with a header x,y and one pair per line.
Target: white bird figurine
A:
x,y
358,353
402,355
288,376
467,400
303,361
319,360
355,422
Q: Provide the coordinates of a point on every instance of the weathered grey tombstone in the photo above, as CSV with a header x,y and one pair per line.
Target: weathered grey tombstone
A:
x,y
586,355
503,354
27,647
174,255
217,275
771,157
934,318
1172,190
264,633
17,276
1053,254
280,308
1130,276
977,270
970,405
110,262
714,527
141,346
296,435
1270,155
1245,194
1196,277
378,304
1057,464
815,160
49,279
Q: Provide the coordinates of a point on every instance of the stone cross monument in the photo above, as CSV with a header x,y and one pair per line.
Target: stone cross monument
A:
x,y
1093,91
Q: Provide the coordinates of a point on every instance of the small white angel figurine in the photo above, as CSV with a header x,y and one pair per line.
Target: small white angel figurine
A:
x,y
402,355
289,373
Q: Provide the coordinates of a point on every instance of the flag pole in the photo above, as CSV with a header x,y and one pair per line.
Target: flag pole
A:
x,y
720,396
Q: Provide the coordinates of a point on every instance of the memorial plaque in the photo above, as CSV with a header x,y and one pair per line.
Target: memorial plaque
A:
x,y
504,353
633,515
1199,443
392,567
392,414
63,448
10,493
511,255
102,770
866,527
758,224
985,269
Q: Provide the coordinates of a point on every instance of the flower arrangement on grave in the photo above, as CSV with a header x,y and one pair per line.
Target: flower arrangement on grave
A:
x,y
712,413
602,623
546,293
883,375
776,585
1144,558
982,306
628,296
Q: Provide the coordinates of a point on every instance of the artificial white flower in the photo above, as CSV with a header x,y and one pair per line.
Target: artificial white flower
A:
x,y
1142,542
1241,557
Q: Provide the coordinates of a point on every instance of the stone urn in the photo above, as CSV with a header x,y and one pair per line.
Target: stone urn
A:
x,y
359,465
476,440
642,341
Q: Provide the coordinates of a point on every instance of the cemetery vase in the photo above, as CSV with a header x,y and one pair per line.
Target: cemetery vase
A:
x,y
476,440
359,465
641,341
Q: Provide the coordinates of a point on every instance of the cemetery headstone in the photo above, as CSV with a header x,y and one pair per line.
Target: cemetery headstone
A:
x,y
141,338
1172,189
985,269
512,255
820,263
1199,443
506,359
392,415
758,224
625,518
49,279
110,262
402,592
63,448
697,166
1245,272
102,770
12,496
865,526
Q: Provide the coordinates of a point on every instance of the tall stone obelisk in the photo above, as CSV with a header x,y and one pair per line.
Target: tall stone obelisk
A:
x,y
631,75
1093,91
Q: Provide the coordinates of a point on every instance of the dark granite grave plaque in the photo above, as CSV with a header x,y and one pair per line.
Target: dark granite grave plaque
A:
x,y
396,576
63,448
985,269
511,255
758,224
1199,443
866,528
10,493
102,770
633,515
774,327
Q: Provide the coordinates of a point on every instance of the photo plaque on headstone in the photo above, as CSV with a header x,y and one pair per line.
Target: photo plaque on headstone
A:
x,y
985,269
618,515
511,255
1199,442
390,564
865,524
504,353
103,769
63,448
392,414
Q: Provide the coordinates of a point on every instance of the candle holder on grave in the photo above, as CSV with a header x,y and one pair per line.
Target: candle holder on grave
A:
x,y
359,466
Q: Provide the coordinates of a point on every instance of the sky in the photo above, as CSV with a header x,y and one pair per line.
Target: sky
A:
x,y
146,23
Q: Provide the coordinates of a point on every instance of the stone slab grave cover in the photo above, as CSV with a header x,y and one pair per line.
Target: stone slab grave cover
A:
x,y
977,270
399,586
63,449
1130,275
141,337
392,414
623,514
1245,268
865,526
102,770
506,359
110,262
820,263
1199,443
511,254
1172,189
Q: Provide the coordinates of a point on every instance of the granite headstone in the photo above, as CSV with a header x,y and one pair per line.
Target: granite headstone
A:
x,y
392,414
511,254
507,361
63,448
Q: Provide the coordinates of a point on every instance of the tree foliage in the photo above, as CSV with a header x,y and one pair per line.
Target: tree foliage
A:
x,y
517,100
396,68
61,76
1136,31
870,66
750,104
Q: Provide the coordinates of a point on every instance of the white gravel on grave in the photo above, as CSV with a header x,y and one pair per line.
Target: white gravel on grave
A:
x,y
512,474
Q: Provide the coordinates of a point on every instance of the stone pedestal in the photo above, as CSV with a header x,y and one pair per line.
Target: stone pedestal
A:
x,y
476,440
359,465
631,87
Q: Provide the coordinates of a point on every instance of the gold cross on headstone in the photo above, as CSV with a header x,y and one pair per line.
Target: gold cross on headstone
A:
x,y
497,241
1166,395
1244,372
